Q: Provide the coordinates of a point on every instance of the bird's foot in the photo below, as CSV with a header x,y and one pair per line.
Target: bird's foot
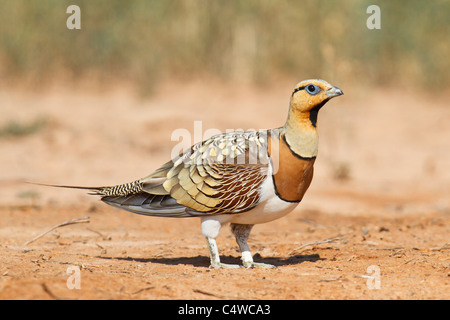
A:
x,y
220,265
251,264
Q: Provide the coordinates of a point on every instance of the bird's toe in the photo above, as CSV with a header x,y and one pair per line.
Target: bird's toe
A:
x,y
221,265
258,265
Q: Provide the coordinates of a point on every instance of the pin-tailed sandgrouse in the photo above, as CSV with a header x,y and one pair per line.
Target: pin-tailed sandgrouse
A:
x,y
241,178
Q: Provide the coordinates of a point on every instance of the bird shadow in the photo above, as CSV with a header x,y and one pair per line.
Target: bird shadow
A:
x,y
203,261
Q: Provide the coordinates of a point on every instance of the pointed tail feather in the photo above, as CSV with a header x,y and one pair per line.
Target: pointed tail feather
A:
x,y
132,197
94,190
117,190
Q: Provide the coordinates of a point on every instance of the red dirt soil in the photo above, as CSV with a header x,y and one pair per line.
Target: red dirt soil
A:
x,y
380,197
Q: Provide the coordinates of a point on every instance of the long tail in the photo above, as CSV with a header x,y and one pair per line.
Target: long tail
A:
x,y
132,197
117,190
94,190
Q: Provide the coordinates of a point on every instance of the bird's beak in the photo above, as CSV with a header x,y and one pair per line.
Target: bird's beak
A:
x,y
334,92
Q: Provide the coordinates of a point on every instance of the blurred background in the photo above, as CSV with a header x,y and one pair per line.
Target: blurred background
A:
x,y
97,106
148,41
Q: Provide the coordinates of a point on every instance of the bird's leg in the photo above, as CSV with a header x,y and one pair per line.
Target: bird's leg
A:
x,y
210,229
242,232
214,256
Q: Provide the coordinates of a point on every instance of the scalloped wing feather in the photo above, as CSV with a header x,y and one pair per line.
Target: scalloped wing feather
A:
x,y
221,175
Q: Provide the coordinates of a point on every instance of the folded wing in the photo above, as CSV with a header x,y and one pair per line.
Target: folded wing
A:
x,y
221,175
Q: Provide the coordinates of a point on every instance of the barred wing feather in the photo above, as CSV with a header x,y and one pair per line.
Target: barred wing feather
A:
x,y
221,175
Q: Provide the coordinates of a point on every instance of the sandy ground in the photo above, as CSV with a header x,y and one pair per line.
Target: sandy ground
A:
x,y
379,200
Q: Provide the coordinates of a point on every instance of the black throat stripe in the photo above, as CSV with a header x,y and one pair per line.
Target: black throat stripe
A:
x,y
314,112
313,116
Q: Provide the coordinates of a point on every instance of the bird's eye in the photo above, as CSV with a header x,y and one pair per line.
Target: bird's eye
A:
x,y
312,89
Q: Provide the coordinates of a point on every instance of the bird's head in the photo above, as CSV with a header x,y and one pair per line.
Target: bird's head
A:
x,y
312,94
300,128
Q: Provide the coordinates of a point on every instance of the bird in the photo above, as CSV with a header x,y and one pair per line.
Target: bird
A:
x,y
241,178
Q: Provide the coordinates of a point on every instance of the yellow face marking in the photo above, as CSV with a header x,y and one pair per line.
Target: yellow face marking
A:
x,y
303,99
306,100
